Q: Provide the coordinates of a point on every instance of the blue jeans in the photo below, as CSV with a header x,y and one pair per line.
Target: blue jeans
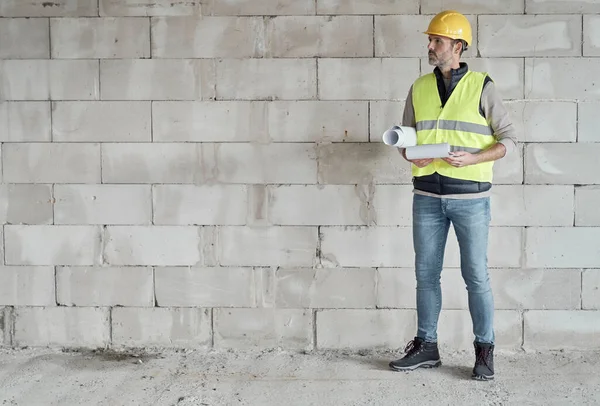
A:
x,y
431,221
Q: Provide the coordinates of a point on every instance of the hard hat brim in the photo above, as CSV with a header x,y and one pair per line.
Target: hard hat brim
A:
x,y
446,35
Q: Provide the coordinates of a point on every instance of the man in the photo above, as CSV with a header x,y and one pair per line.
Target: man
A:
x,y
460,107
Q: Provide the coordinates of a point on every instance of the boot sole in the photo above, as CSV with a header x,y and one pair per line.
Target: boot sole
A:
x,y
482,378
424,364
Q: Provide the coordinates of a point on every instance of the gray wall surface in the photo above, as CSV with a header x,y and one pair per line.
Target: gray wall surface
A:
x,y
191,175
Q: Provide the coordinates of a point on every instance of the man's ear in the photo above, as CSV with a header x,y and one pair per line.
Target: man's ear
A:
x,y
458,47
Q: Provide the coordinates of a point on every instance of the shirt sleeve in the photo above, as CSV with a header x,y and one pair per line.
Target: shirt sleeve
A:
x,y
408,118
497,116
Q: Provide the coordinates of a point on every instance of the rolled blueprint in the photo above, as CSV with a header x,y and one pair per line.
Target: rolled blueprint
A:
x,y
400,137
428,151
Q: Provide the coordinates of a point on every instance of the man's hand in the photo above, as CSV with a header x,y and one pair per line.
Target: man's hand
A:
x,y
421,162
459,159
418,162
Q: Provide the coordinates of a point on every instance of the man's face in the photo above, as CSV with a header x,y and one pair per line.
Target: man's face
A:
x,y
440,50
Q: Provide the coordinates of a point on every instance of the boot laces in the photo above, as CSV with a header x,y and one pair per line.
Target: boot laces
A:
x,y
413,347
483,354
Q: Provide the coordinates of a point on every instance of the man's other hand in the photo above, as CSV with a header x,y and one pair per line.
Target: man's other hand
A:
x,y
459,159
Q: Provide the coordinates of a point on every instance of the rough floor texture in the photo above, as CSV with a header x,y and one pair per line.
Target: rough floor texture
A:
x,y
210,173
186,378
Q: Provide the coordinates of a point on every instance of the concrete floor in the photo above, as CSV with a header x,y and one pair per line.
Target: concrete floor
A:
x,y
152,377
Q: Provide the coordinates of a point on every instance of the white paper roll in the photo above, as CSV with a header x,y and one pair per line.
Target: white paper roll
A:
x,y
400,137
428,151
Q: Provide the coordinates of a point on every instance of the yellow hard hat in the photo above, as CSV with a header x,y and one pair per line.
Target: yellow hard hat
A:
x,y
451,24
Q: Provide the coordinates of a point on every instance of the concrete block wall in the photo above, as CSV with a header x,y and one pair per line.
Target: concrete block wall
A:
x,y
210,173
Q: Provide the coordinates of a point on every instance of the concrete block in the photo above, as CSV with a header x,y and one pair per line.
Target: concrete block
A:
x,y
474,6
367,246
265,163
74,80
205,287
361,163
81,327
25,121
507,74
396,288
532,205
383,115
318,121
257,214
27,286
24,38
52,245
591,32
590,285
102,38
352,78
586,122
266,79
562,330
562,7
6,326
200,205
42,8
104,286
367,7
141,327
562,247
264,280
263,8
536,288
403,36
155,79
321,205
101,121
2,260
33,79
365,328
148,163
534,121
571,163
392,205
155,245
509,169
102,204
38,163
25,204
263,328
267,246
529,35
208,37
149,8
586,206
325,288
202,121
559,78
455,330
393,247
320,36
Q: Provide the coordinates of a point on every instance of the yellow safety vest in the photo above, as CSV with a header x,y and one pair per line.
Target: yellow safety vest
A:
x,y
458,123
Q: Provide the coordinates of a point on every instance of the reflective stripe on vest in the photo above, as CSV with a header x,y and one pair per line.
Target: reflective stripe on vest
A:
x,y
458,123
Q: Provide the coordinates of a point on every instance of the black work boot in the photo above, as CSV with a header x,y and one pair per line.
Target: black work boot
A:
x,y
484,362
419,354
